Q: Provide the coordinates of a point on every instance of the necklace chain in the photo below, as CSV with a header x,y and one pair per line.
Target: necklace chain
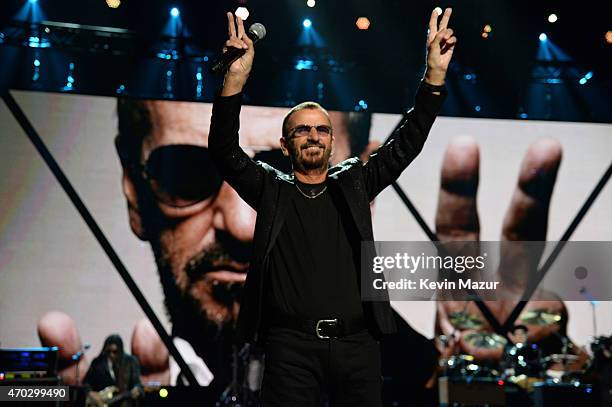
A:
x,y
311,196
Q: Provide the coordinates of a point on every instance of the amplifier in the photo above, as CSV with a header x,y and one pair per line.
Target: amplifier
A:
x,y
27,363
475,392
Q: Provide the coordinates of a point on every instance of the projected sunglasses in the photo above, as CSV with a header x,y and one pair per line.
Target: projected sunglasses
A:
x,y
182,175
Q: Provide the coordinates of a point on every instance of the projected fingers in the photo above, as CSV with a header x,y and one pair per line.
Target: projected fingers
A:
x,y
457,216
527,216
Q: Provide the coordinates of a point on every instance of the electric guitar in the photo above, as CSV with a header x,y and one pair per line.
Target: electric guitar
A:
x,y
108,395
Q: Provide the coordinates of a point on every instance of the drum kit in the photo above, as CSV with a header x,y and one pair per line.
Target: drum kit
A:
x,y
523,375
523,367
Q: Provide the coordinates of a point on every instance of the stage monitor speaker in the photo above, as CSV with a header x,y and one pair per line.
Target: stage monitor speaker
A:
x,y
563,395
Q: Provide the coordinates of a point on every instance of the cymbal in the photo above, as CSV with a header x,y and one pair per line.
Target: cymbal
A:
x,y
456,360
524,381
486,340
464,320
540,317
559,358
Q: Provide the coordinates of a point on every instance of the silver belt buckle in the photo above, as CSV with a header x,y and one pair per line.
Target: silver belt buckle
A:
x,y
318,327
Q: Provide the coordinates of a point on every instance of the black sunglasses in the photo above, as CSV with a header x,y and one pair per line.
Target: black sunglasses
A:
x,y
304,130
181,175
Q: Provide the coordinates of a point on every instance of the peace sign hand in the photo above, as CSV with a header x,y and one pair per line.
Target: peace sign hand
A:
x,y
440,45
238,72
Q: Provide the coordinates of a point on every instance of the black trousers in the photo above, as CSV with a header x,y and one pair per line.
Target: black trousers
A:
x,y
302,370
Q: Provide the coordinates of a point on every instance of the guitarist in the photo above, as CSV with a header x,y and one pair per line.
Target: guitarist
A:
x,y
114,368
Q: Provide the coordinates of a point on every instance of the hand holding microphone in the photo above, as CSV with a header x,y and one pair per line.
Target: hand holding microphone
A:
x,y
238,54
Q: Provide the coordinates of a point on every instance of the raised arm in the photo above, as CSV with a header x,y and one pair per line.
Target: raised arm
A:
x,y
388,162
237,168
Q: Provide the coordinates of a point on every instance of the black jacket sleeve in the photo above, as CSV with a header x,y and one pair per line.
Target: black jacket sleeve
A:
x,y
387,163
236,167
134,376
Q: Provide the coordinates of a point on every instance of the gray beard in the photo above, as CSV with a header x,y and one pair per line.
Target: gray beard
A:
x,y
316,166
185,311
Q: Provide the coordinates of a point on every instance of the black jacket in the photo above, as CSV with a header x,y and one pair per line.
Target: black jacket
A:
x,y
99,377
266,190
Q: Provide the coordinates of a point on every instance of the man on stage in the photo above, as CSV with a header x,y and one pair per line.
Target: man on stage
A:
x,y
302,295
114,368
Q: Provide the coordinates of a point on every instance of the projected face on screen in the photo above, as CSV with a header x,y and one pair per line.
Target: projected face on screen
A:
x,y
199,228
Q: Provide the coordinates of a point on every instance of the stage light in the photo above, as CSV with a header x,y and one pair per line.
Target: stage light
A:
x,y
32,1
305,65
552,18
199,83
113,3
484,35
586,78
487,28
543,37
307,23
363,23
608,37
36,70
477,108
361,106
169,93
70,78
38,42
174,12
163,393
311,3
242,12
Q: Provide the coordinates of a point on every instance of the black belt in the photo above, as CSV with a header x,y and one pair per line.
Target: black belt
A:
x,y
323,328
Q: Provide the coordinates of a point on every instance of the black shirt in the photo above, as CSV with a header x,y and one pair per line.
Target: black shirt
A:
x,y
314,262
125,375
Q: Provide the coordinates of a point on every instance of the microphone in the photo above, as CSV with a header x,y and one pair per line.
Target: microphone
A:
x,y
256,33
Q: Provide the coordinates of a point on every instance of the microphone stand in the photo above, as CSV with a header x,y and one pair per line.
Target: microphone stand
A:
x,y
78,356
231,397
593,305
585,292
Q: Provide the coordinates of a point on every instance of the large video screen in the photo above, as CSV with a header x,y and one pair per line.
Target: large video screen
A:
x,y
57,286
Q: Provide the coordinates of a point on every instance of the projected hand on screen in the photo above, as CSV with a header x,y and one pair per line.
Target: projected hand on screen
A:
x,y
58,329
526,220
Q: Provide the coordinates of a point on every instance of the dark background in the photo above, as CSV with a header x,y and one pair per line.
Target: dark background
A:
x,y
498,77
